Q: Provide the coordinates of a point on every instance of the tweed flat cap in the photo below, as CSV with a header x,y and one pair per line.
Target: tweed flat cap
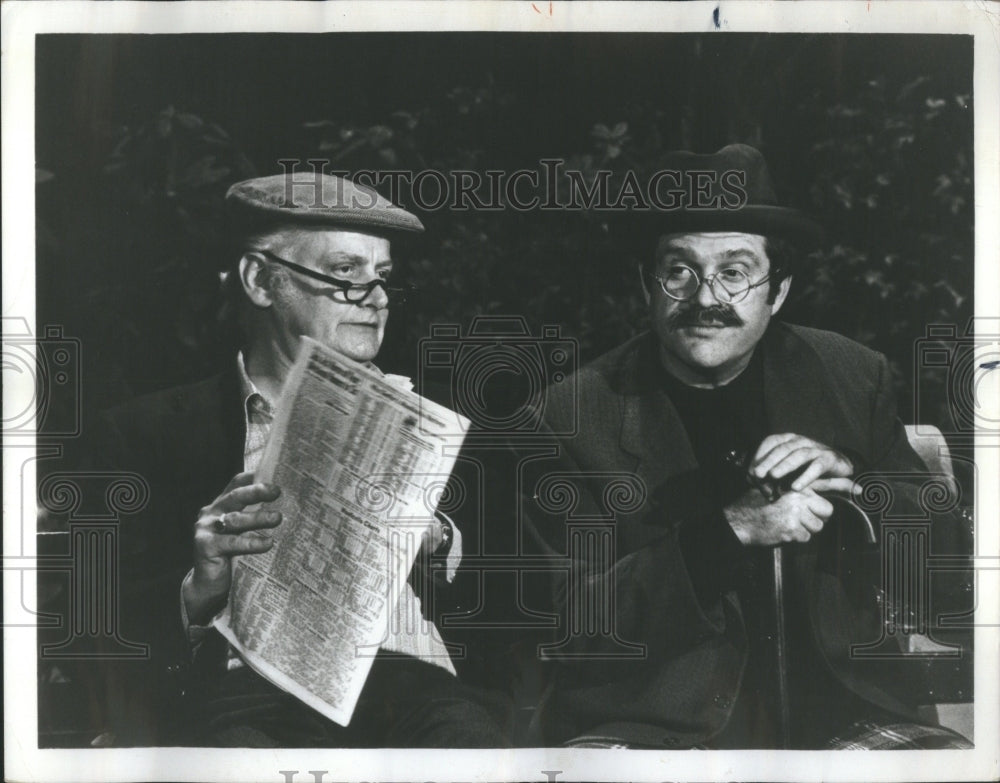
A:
x,y
317,199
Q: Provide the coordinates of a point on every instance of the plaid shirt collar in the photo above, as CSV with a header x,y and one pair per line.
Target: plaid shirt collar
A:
x,y
253,400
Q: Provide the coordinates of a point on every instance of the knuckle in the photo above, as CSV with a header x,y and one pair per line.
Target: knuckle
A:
x,y
202,542
265,517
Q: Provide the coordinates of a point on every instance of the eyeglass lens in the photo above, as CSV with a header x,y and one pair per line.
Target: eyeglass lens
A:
x,y
356,294
727,285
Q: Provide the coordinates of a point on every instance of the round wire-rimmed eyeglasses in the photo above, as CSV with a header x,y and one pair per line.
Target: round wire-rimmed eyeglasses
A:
x,y
729,285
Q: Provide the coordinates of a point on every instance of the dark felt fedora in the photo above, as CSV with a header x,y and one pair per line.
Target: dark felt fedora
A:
x,y
729,190
317,199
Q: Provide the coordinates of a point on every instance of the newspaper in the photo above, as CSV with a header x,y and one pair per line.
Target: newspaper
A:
x,y
357,459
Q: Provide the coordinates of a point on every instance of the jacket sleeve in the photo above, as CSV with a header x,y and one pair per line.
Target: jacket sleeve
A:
x,y
144,693
632,624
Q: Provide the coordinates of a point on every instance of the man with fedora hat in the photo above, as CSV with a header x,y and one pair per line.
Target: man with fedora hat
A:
x,y
313,257
744,573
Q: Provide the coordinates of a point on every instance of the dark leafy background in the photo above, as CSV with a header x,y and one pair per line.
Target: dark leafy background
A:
x,y
138,138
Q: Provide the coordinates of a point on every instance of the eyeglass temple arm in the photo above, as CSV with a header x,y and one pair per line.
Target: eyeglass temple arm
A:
x,y
304,270
343,285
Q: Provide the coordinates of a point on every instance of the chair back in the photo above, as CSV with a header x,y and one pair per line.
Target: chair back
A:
x,y
932,448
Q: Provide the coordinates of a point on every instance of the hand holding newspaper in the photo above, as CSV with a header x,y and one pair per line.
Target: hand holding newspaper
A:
x,y
359,461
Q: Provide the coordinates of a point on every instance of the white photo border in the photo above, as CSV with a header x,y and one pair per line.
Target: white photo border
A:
x,y
23,20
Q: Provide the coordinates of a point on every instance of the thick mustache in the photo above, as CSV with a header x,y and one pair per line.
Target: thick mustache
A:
x,y
704,316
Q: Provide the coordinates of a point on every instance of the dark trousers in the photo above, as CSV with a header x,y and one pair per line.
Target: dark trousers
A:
x,y
406,703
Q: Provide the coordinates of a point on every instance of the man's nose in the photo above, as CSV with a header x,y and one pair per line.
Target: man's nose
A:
x,y
705,294
377,299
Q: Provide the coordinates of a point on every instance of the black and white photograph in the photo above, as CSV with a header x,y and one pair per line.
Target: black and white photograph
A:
x,y
501,391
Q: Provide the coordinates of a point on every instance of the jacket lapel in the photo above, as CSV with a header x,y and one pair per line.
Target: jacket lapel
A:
x,y
651,430
796,397
208,418
795,400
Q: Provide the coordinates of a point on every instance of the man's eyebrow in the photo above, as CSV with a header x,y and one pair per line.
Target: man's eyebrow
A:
x,y
671,252
741,254
345,258
353,258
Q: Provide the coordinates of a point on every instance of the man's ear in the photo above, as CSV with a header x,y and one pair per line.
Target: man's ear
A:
x,y
256,281
642,282
779,298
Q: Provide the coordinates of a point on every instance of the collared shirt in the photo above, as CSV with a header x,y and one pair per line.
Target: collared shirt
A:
x,y
408,632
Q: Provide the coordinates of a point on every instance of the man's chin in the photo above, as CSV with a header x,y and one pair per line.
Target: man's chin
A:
x,y
702,355
360,352
361,356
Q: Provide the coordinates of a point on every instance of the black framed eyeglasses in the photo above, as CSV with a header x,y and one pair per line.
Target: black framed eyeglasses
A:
x,y
351,293
729,286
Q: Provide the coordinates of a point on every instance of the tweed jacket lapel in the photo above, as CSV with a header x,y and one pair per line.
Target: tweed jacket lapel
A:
x,y
797,395
651,430
796,399
203,431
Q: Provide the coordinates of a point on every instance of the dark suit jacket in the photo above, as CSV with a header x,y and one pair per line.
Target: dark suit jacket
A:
x,y
816,384
188,442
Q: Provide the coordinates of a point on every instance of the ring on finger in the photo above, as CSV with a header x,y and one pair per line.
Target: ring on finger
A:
x,y
221,524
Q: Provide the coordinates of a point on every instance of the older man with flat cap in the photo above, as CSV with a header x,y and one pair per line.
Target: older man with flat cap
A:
x,y
314,258
741,582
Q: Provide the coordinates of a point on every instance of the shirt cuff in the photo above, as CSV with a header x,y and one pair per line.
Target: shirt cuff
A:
x,y
194,633
450,546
